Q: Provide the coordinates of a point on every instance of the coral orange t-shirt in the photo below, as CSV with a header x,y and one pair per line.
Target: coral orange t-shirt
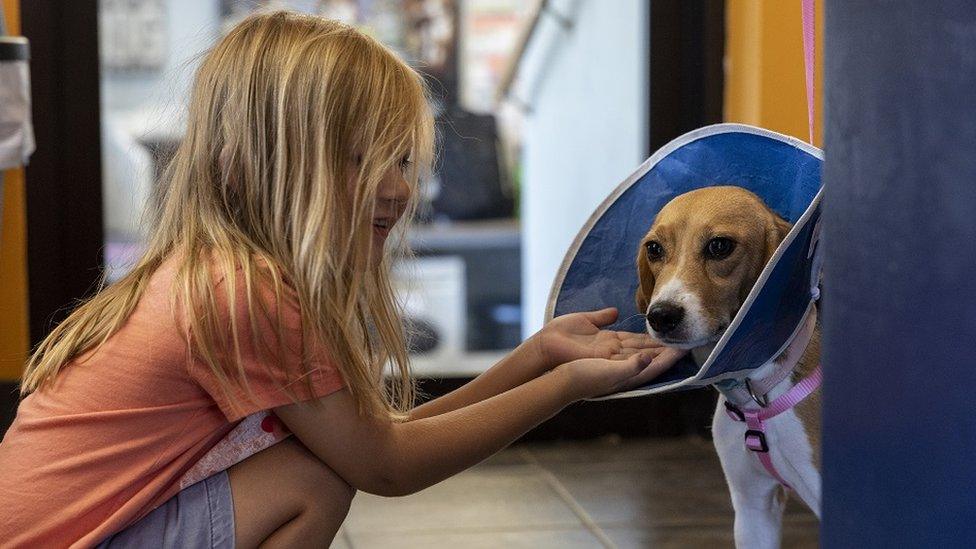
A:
x,y
108,441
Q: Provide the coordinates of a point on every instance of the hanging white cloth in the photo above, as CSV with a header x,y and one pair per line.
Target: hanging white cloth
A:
x,y
16,131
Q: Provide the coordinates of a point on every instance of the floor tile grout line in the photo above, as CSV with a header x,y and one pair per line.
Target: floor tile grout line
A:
x,y
569,500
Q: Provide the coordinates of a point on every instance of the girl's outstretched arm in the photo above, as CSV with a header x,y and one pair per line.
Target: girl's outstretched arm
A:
x,y
567,338
380,456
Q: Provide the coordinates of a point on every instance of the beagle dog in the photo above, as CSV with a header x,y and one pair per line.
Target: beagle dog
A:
x,y
696,266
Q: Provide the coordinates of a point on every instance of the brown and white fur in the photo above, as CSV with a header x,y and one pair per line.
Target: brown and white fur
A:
x,y
696,266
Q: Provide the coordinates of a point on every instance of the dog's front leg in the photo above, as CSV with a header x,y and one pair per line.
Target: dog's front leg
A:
x,y
757,498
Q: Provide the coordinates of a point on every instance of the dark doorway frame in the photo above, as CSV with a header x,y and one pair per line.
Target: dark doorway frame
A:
x,y
687,49
64,178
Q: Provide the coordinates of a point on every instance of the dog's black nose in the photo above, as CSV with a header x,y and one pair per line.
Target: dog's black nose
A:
x,y
665,316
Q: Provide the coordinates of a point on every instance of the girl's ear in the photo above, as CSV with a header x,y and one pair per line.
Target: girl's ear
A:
x,y
775,233
645,285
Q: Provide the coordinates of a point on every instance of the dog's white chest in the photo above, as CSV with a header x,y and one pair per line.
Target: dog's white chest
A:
x,y
755,493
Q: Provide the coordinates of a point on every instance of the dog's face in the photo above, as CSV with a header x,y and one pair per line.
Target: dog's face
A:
x,y
700,259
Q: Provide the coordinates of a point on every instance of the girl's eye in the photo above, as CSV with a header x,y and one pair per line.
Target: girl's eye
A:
x,y
719,248
405,162
655,252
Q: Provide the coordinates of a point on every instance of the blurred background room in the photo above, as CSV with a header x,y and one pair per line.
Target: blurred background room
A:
x,y
543,107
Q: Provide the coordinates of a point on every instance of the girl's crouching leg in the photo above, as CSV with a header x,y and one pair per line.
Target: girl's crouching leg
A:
x,y
285,497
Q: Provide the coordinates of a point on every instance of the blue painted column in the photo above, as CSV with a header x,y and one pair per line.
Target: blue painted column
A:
x,y
900,274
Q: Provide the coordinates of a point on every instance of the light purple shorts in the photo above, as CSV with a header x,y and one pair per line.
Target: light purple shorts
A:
x,y
201,516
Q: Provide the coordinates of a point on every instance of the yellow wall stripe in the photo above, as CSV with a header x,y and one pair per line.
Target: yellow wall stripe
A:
x,y
14,338
764,67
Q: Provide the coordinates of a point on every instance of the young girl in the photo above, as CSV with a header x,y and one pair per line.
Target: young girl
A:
x,y
265,286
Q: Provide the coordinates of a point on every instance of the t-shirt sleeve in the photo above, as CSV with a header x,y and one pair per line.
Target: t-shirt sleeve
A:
x,y
277,372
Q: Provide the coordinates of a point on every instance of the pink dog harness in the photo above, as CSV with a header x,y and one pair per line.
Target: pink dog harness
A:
x,y
755,438
742,391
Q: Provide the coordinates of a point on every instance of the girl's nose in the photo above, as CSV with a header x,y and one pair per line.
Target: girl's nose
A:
x,y
394,187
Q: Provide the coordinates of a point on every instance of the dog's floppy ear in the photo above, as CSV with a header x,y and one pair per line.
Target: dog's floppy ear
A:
x,y
775,233
645,284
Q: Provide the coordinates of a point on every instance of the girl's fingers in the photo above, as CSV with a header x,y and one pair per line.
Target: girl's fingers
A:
x,y
602,317
610,376
641,341
648,374
628,367
630,351
669,356
661,363
644,377
622,355
640,360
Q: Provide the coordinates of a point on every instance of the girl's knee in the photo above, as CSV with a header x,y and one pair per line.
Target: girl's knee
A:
x,y
285,488
294,473
319,486
325,488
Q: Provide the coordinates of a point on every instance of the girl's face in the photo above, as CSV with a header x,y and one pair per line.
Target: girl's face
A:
x,y
391,202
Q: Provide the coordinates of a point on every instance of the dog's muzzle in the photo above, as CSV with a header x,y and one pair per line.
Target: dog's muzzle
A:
x,y
665,316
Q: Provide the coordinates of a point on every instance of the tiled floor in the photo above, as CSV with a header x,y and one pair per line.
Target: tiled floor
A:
x,y
605,493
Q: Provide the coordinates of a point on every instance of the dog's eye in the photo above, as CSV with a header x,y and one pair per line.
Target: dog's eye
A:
x,y
655,251
719,248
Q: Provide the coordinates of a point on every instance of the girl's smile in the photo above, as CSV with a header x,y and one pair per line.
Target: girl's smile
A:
x,y
382,226
391,203
386,215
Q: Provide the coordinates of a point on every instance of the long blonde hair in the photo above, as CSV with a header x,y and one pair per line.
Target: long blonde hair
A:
x,y
293,122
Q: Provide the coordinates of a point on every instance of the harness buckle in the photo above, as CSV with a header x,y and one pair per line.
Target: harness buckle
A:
x,y
756,441
762,401
734,412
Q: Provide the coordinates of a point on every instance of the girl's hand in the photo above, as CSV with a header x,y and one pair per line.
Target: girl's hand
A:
x,y
566,339
464,429
578,335
593,377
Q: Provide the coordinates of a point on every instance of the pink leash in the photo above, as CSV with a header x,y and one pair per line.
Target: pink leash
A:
x,y
809,57
755,428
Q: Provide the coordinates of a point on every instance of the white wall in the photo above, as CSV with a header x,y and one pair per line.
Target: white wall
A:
x,y
142,103
585,129
191,28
